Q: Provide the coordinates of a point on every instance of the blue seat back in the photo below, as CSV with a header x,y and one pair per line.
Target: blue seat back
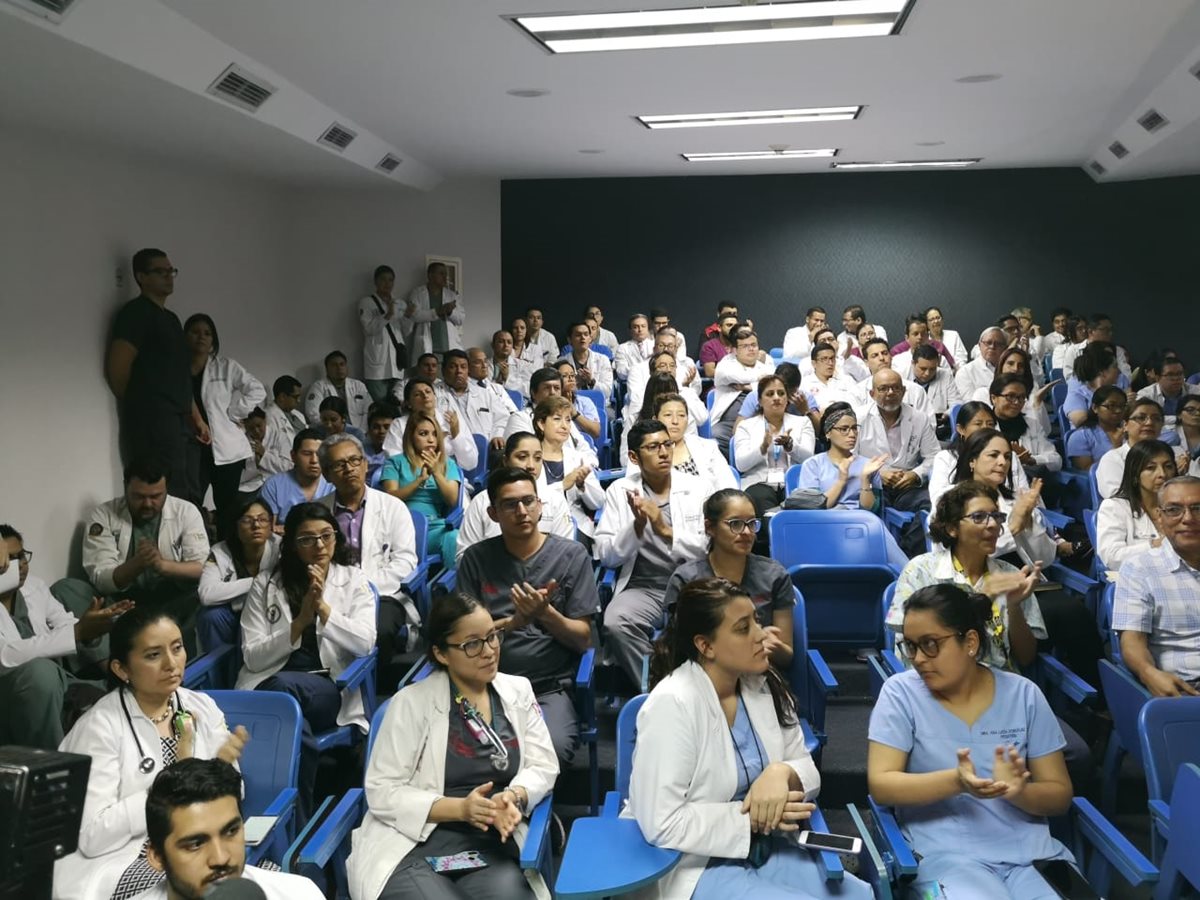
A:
x,y
1194,378
517,399
776,353
479,472
420,532
376,724
1181,865
885,604
791,478
953,414
1125,697
843,537
1094,486
272,758
626,738
1169,728
704,429
1058,393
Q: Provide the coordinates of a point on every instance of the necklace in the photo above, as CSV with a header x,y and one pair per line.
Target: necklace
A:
x,y
166,714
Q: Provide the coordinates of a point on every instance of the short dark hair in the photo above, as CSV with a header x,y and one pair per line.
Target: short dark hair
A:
x,y
498,478
1096,319
1000,382
658,312
789,374
642,429
305,434
337,404
147,469
284,384
913,319
726,304
743,334
335,354
925,352
212,326
580,324
7,531
637,316
854,311
142,259
541,376
534,308
1059,311
184,783
808,314
444,613
956,609
1096,358
454,354
866,348
952,506
821,348
434,265
381,409
1007,317
411,384
514,440
383,270
257,413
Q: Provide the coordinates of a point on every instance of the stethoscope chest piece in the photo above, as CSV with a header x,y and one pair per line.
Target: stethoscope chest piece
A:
x,y
146,766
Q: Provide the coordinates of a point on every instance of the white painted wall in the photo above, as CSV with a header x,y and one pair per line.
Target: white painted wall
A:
x,y
278,267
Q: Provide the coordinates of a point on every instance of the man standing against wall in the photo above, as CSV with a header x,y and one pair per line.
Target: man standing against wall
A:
x,y
434,314
384,355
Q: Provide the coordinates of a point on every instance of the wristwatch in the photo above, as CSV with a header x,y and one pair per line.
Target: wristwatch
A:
x,y
518,799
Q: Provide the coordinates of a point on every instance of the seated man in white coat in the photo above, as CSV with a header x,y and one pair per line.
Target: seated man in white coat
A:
x,y
937,381
195,836
653,520
980,371
736,377
593,371
479,410
378,528
879,357
337,383
479,370
284,419
539,337
635,350
506,369
798,341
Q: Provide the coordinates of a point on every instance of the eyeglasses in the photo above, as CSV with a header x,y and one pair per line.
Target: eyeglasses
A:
x,y
1013,398
344,465
1146,418
308,541
1191,410
23,557
931,646
845,429
1176,510
982,518
164,272
1113,407
254,521
656,446
474,647
890,389
737,526
993,343
510,505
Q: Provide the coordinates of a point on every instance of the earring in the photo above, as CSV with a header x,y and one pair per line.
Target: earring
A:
x,y
971,652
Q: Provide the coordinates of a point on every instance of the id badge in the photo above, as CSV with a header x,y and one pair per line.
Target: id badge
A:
x,y
457,862
775,476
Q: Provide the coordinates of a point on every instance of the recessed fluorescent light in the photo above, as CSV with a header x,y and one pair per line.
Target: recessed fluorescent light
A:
x,y
800,20
759,154
908,164
758,117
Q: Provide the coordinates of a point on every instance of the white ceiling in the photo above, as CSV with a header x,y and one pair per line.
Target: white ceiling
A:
x,y
430,76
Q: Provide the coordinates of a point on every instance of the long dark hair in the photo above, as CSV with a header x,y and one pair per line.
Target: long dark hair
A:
x,y
966,413
125,632
659,383
1099,398
212,326
1026,373
700,610
236,551
444,613
956,609
292,570
1140,455
972,450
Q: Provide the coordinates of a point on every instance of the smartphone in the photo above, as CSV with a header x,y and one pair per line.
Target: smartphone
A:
x,y
256,828
458,862
836,843
1065,879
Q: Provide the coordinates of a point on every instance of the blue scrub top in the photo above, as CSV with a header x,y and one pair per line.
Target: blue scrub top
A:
x,y
821,472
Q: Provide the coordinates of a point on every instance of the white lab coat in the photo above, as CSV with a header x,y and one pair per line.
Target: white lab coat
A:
x,y
607,339
379,354
1110,469
281,431
583,499
797,343
418,328
976,374
942,471
461,449
1034,544
522,420
1120,535
685,773
601,368
914,396
519,372
479,410
954,344
837,389
747,447
845,338
942,392
697,416
714,468
114,810
406,775
220,584
545,348
349,633
182,537
53,628
639,377
478,526
918,441
630,353
358,401
617,544
388,540
229,393
727,378
501,401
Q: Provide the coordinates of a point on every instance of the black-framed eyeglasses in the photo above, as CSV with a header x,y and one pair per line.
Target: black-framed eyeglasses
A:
x,y
845,429
982,518
929,645
1191,410
163,271
474,647
1175,511
1113,407
23,557
737,526
345,465
656,446
1014,398
512,503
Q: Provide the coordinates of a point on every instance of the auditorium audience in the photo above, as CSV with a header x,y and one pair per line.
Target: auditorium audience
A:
x,y
847,480
1188,429
508,369
566,467
593,370
539,338
420,397
972,416
824,386
338,383
262,462
385,357
300,484
546,382
737,376
798,341
433,314
693,455
635,350
1171,388
1053,339
916,334
426,480
937,381
1144,423
879,358
232,564
1101,431
1022,427
853,318
479,410
1127,522
767,443
945,336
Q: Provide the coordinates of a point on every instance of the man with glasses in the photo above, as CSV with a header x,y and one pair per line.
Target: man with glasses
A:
x,y
1155,611
980,371
660,319
378,528
736,376
879,357
1171,389
541,591
148,369
300,484
653,520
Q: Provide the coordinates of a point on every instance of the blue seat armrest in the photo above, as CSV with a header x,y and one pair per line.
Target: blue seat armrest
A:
x,y
871,867
283,807
585,675
612,805
337,826
1070,579
1096,831
605,476
823,676
893,663
454,517
829,863
284,803
897,517
416,579
356,673
447,581
1072,686
893,837
290,855
1056,519
537,842
1160,814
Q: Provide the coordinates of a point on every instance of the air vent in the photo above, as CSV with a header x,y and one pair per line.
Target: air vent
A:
x,y
241,88
339,137
389,163
53,10
1117,149
1097,168
1152,120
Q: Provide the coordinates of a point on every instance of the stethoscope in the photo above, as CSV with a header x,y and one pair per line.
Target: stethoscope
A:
x,y
483,732
146,766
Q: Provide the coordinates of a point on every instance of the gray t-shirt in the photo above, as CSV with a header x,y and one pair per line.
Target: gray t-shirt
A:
x,y
765,581
654,562
488,571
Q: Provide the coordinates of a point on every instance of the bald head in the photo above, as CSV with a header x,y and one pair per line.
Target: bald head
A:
x,y
477,363
887,389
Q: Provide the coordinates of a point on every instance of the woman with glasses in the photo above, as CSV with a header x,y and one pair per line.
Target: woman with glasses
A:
x,y
971,417
969,755
1095,367
420,397
460,760
693,454
427,480
232,566
565,467
1144,423
731,526
1009,395
1015,361
1101,431
1187,428
951,339
305,620
1127,522
766,444
848,481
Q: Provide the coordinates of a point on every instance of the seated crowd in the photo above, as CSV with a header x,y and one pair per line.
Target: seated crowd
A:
x,y
329,501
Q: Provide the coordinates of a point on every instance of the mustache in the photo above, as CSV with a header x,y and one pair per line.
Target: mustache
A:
x,y
217,874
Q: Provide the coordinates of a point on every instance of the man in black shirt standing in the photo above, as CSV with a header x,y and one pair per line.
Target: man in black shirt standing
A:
x,y
148,370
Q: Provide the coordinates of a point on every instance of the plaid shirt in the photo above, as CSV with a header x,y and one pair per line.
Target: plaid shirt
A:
x,y
1158,594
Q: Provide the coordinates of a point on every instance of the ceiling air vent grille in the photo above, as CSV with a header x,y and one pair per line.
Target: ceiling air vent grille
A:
x,y
339,137
1152,120
1119,150
389,163
53,10
241,88
1097,168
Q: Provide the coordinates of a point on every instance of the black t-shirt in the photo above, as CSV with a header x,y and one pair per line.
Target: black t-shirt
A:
x,y
161,380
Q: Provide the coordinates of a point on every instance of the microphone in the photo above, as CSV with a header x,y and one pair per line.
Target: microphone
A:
x,y
235,889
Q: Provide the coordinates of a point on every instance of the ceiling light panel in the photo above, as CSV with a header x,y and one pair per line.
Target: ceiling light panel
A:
x,y
908,164
710,26
759,154
757,117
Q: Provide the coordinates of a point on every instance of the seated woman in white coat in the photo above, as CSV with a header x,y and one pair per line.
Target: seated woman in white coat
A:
x,y
1125,522
766,444
565,467
231,567
458,763
693,454
720,772
972,416
145,723
304,622
419,397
